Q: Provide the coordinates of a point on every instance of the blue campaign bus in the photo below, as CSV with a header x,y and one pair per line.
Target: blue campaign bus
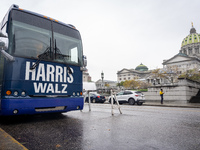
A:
x,y
41,64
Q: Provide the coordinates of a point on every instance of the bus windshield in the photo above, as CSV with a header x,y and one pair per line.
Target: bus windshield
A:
x,y
29,39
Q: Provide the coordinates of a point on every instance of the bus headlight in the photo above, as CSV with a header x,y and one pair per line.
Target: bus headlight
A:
x,y
15,93
23,93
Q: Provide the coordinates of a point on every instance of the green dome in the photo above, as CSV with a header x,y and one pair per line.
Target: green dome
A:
x,y
141,67
193,37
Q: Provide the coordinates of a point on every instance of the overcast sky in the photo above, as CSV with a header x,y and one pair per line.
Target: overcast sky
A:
x,y
119,34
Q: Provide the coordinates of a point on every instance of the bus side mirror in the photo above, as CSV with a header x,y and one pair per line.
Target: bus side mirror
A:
x,y
84,63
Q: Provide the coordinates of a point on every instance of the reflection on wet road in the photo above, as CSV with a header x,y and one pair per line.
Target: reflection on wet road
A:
x,y
139,127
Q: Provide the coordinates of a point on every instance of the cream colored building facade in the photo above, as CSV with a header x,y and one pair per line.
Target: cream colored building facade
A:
x,y
131,74
139,73
86,76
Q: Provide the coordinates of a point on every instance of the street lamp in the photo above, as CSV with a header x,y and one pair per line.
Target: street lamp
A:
x,y
102,76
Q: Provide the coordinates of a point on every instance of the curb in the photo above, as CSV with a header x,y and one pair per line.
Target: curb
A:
x,y
7,142
171,105
193,105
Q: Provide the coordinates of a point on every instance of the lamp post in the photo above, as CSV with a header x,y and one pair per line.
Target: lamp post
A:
x,y
102,76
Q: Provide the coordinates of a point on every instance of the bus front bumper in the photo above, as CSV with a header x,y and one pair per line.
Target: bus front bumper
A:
x,y
11,106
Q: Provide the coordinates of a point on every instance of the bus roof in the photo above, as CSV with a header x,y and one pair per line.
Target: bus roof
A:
x,y
14,6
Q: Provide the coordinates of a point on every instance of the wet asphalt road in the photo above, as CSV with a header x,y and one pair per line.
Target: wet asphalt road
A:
x,y
138,128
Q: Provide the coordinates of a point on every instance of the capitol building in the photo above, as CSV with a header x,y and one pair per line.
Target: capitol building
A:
x,y
189,55
188,58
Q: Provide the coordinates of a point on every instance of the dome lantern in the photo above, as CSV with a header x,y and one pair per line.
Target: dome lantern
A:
x,y
192,30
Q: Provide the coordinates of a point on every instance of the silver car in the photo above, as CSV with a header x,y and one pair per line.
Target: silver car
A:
x,y
130,97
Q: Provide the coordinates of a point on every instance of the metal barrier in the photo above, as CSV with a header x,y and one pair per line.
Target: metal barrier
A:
x,y
112,106
113,94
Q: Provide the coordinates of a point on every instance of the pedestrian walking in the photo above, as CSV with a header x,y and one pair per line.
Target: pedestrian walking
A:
x,y
161,95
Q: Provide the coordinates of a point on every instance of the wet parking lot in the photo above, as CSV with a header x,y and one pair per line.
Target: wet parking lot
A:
x,y
138,127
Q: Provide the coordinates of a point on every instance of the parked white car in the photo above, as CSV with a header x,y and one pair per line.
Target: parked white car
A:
x,y
130,97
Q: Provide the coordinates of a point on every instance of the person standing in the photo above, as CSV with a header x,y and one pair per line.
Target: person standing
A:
x,y
161,95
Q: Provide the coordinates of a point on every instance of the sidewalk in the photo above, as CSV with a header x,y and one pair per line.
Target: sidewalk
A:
x,y
9,143
168,104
